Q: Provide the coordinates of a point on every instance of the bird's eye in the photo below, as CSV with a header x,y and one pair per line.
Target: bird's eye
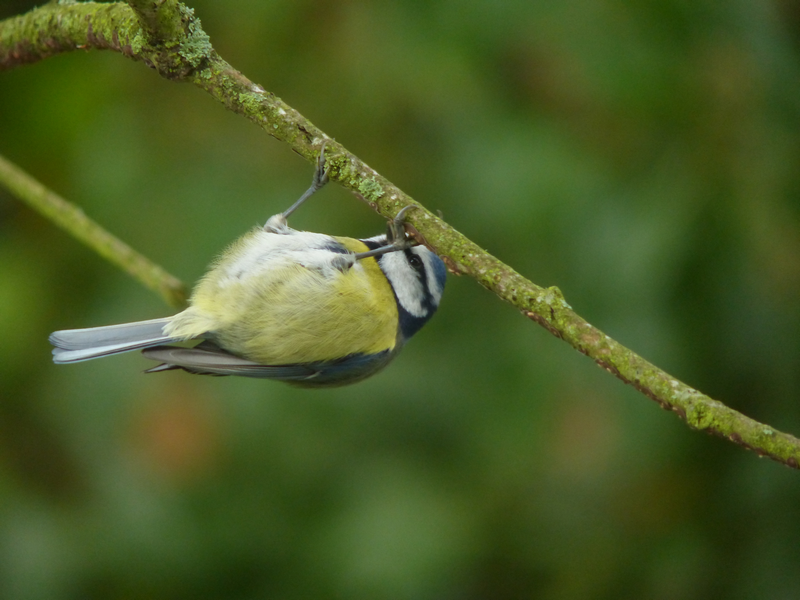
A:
x,y
415,261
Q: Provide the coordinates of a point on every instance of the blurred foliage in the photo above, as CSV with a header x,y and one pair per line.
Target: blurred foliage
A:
x,y
644,156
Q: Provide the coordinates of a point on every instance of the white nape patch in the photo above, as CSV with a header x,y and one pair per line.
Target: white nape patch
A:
x,y
434,287
265,251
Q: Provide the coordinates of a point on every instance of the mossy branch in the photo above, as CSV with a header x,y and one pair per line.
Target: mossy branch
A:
x,y
166,36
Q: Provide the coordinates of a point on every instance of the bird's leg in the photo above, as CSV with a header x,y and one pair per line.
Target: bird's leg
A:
x,y
395,235
318,182
278,223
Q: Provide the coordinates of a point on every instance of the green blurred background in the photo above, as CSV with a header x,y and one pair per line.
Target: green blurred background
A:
x,y
644,156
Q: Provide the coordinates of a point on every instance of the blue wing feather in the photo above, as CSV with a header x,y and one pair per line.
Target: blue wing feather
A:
x,y
209,359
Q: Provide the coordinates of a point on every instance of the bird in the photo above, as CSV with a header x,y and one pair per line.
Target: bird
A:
x,y
305,308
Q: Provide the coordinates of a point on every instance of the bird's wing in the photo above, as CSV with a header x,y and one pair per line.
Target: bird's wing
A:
x,y
209,359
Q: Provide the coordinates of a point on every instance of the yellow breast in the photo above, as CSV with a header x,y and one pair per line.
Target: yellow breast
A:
x,y
284,308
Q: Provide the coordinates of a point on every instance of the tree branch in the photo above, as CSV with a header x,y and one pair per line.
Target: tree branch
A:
x,y
72,219
166,36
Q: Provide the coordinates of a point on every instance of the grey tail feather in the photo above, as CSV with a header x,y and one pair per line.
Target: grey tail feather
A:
x,y
75,345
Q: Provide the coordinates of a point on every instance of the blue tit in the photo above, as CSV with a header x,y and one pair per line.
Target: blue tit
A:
x,y
306,308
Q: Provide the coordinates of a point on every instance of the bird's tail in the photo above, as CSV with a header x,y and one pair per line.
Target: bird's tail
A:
x,y
75,345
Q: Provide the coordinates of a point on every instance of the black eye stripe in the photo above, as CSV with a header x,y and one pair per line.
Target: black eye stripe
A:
x,y
415,261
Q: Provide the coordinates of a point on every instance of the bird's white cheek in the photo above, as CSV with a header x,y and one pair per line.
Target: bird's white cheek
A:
x,y
407,286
